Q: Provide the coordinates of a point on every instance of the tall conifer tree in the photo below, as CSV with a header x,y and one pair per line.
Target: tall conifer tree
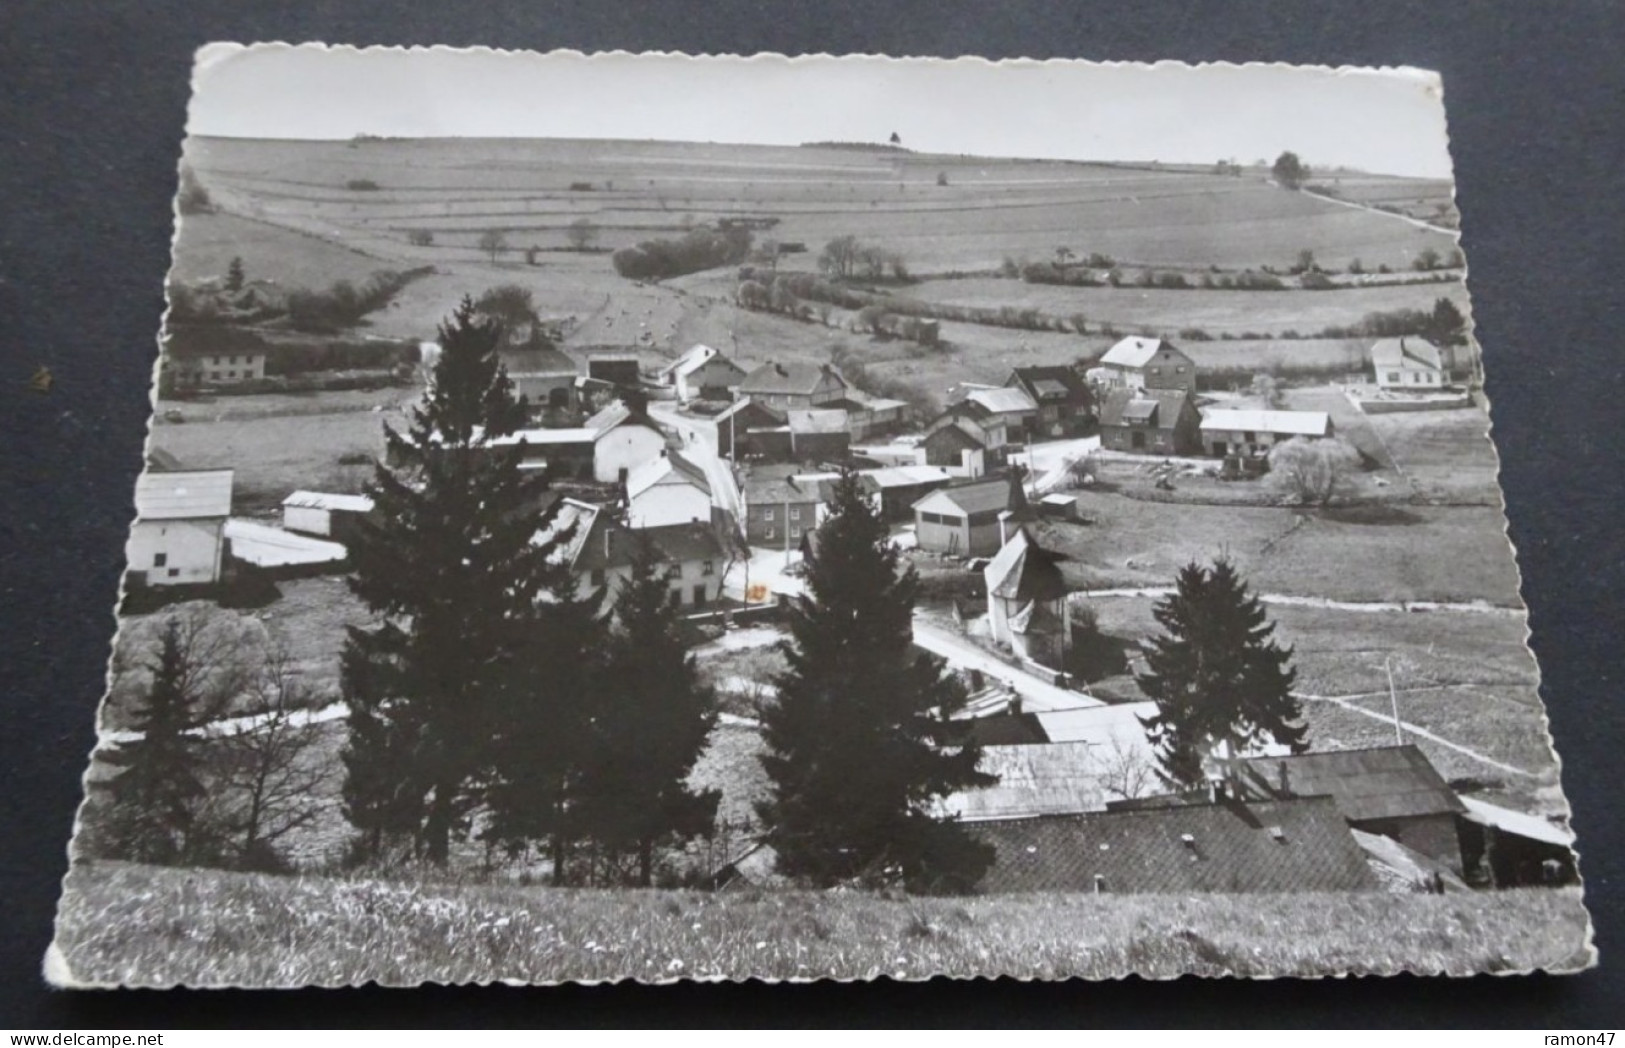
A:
x,y
1221,683
650,724
850,759
452,570
156,794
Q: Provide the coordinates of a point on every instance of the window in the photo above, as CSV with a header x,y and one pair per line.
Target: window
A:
x,y
767,513
231,374
214,376
1250,437
769,533
795,512
675,598
160,559
699,595
174,572
1393,376
795,532
598,577
1180,370
1156,371
708,568
214,360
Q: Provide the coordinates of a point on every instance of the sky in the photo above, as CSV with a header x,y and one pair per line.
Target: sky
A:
x,y
1390,121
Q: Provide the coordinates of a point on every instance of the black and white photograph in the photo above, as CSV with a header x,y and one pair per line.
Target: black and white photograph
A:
x,y
653,517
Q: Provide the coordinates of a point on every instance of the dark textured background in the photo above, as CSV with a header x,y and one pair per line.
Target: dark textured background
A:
x,y
92,106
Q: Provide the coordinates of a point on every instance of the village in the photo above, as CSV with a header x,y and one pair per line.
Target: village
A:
x,y
725,467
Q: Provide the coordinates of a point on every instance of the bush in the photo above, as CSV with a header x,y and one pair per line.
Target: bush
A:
x,y
694,251
365,185
343,304
1314,280
582,187
420,238
191,198
1313,472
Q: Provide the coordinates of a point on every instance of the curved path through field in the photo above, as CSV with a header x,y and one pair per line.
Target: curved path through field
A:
x,y
1417,222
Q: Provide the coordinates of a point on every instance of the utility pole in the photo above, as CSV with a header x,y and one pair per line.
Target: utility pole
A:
x,y
1393,701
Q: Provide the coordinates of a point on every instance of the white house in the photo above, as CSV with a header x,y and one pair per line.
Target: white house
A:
x,y
622,441
323,513
1145,363
1409,362
178,538
601,552
702,373
668,489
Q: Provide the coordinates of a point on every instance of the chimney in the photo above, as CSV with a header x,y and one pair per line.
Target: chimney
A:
x,y
1015,705
1286,785
779,369
1004,527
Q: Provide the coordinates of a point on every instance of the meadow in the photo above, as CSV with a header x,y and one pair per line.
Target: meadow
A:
x,y
154,927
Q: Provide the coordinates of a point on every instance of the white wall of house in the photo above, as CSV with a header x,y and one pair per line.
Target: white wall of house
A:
x,y
623,449
311,520
226,368
1409,378
670,502
177,552
714,372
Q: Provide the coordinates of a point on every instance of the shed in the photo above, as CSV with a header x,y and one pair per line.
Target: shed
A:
x,y
1227,431
323,513
178,538
282,553
964,520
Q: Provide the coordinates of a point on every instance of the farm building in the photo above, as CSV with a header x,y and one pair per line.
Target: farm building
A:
x,y
1150,421
1299,845
213,356
957,449
178,537
1227,431
1027,609
702,373
970,520
281,553
1506,848
793,385
896,489
542,375
1010,407
989,431
616,367
1409,362
322,513
780,510
1066,405
1146,363
730,428
601,552
806,435
1392,791
869,416
668,489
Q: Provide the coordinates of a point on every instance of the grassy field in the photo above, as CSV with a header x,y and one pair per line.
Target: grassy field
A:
x,y
208,242
1218,312
1447,455
144,926
282,443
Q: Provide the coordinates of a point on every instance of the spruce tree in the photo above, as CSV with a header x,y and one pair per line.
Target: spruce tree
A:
x,y
234,275
450,568
852,766
650,724
1221,683
156,794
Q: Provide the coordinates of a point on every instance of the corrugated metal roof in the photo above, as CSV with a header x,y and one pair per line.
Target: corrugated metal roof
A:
x,y
541,362
1106,726
185,495
1516,822
1409,351
1271,846
1387,782
657,469
905,476
268,547
1042,778
1294,423
329,501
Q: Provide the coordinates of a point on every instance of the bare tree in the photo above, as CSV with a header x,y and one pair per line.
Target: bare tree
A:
x,y
1313,471
581,233
215,651
1267,389
266,772
1127,770
493,243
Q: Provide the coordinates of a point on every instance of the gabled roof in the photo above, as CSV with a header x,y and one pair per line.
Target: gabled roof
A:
x,y
1035,777
1159,407
1408,351
329,501
697,357
269,547
1002,400
955,436
816,420
1271,846
777,490
1024,571
1133,352
1389,782
746,406
544,361
904,476
669,465
615,414
793,378
186,495
600,541
1292,423
161,461
1110,727
1051,382
969,499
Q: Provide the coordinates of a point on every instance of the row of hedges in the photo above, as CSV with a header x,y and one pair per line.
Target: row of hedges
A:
x,y
694,251
343,304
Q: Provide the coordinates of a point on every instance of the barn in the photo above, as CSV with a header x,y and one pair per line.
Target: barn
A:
x,y
178,538
966,520
1150,421
1146,363
1227,431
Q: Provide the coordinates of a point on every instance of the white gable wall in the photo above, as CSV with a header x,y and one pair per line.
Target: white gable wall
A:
x,y
176,552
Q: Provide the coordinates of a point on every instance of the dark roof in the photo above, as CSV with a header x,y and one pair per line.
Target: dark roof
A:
x,y
1410,349
161,461
1270,846
776,490
610,544
954,436
543,360
786,378
1389,782
1000,729
1161,407
1024,571
1052,382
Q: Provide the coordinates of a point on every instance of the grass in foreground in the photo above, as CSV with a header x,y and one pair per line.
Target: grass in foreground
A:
x,y
145,926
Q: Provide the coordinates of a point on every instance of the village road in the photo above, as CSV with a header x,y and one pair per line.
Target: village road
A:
x,y
1038,696
1052,459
